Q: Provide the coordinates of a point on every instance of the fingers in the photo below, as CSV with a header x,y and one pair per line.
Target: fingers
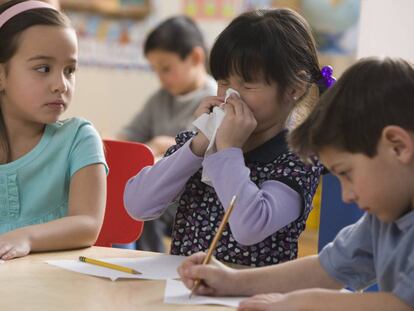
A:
x,y
239,106
7,252
207,105
252,305
262,302
183,269
238,115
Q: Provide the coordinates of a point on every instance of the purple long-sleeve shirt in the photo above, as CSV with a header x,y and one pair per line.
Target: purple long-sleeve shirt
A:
x,y
259,212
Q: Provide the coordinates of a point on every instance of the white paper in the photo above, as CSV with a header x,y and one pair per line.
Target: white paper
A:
x,y
152,268
177,293
1,261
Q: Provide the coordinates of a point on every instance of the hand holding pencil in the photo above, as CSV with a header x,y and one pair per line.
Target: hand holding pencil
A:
x,y
213,244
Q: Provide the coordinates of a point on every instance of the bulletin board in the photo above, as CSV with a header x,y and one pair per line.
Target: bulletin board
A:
x,y
111,32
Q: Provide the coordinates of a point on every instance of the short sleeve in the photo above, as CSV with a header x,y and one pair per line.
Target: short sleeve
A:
x,y
87,149
349,258
404,289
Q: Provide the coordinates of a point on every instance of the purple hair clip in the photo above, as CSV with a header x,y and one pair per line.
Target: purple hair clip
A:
x,y
327,77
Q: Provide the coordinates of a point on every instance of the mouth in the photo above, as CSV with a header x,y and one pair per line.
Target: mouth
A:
x,y
61,105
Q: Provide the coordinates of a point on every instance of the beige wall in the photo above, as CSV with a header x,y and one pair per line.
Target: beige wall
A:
x,y
111,97
387,28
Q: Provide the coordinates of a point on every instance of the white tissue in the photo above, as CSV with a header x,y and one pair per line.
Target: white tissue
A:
x,y
230,91
208,123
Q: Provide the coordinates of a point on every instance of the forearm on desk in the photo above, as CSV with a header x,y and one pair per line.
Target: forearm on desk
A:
x,y
263,210
303,273
63,233
329,300
150,192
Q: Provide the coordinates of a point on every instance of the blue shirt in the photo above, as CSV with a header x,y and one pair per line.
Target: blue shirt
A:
x,y
35,188
371,251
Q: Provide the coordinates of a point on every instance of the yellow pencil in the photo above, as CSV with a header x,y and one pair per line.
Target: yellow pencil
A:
x,y
108,265
215,240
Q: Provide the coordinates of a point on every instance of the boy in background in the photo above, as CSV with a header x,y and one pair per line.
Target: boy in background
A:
x,y
177,53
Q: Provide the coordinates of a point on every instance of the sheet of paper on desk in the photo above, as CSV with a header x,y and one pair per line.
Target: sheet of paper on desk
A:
x,y
160,267
177,293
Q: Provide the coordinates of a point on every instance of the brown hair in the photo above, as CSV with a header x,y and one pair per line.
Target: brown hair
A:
x,y
9,37
370,95
275,43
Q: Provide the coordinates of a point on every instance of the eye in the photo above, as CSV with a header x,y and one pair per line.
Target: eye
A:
x,y
70,70
250,86
222,83
43,69
345,174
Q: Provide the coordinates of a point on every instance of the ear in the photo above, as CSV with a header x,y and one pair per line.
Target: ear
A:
x,y
400,141
197,55
299,89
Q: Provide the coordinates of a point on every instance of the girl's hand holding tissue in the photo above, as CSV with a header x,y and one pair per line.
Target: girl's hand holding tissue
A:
x,y
237,126
200,142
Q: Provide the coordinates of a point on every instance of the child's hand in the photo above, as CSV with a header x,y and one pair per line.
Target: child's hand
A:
x,y
200,143
13,245
237,126
207,105
293,301
217,279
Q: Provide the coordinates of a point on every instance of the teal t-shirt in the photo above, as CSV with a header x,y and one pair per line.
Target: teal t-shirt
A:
x,y
35,188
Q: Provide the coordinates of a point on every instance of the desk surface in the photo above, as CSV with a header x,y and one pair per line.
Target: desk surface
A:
x,y
29,283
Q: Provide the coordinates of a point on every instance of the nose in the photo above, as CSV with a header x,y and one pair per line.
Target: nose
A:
x,y
60,84
348,195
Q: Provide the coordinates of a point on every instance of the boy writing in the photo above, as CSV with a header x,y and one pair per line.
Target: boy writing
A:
x,y
363,132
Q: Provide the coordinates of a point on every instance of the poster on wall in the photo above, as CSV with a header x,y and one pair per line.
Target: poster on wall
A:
x,y
335,24
111,32
212,9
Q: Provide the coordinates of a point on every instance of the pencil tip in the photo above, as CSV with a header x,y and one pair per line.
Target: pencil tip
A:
x,y
136,272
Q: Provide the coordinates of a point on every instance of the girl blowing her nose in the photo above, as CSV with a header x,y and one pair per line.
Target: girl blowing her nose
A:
x,y
269,58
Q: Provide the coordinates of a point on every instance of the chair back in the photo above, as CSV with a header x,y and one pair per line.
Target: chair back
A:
x,y
125,159
335,214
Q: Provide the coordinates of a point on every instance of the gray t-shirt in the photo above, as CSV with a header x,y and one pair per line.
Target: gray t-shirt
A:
x,y
371,251
165,114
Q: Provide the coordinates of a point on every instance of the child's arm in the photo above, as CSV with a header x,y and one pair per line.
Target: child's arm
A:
x,y
282,278
322,299
300,284
80,228
151,191
259,212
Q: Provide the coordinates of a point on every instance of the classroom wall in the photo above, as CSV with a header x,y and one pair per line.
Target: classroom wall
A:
x,y
110,97
386,28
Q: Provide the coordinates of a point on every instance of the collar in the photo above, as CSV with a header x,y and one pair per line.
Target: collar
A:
x,y
270,150
405,222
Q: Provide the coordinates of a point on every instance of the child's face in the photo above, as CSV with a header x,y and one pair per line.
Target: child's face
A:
x,y
262,98
40,76
177,76
380,186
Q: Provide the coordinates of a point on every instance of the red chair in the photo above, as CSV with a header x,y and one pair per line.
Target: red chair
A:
x,y
125,159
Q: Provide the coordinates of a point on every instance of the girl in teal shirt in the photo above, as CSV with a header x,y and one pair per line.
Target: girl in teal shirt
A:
x,y
52,173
